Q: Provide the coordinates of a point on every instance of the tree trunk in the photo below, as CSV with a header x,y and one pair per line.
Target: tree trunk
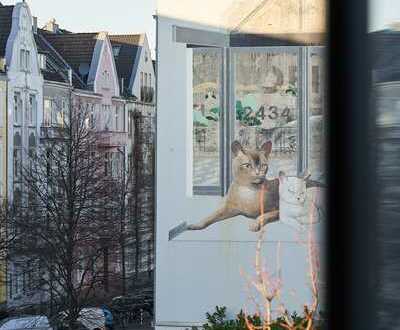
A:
x,y
105,269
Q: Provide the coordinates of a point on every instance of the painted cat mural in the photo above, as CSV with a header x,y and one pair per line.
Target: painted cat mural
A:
x,y
284,198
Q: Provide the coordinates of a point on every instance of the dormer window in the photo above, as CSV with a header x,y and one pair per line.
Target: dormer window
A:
x,y
146,56
116,50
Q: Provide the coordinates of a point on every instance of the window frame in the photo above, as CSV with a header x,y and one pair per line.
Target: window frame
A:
x,y
31,110
219,189
50,118
227,101
18,108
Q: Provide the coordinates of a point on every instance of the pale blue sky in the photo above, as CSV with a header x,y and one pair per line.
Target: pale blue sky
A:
x,y
116,16
383,12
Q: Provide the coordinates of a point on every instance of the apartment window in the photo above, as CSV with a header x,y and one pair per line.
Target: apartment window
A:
x,y
107,117
25,60
22,59
28,60
57,113
32,150
47,112
141,86
117,114
65,111
123,125
31,110
17,156
17,109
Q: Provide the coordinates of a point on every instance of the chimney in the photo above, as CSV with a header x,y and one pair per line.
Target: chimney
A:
x,y
70,76
52,26
35,24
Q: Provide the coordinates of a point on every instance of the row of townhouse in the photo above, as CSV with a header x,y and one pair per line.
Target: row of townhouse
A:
x,y
41,70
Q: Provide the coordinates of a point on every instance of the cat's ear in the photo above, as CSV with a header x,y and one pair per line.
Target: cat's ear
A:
x,y
305,175
236,147
267,148
282,176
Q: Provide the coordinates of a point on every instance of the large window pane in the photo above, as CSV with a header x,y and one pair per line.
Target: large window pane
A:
x,y
207,66
317,112
266,104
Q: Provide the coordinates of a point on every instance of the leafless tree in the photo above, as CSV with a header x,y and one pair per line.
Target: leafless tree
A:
x,y
66,214
141,197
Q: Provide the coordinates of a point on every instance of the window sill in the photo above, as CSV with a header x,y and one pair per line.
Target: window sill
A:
x,y
199,191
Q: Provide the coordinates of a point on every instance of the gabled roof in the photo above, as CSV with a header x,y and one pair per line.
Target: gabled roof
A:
x,y
76,48
129,50
56,66
5,27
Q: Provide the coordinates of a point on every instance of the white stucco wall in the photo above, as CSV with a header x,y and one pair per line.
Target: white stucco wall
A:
x,y
26,83
199,270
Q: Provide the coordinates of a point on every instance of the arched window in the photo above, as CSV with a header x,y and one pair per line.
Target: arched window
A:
x,y
17,108
17,156
32,147
17,140
31,110
32,141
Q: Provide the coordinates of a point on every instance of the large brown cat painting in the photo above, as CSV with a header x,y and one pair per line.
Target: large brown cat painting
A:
x,y
243,198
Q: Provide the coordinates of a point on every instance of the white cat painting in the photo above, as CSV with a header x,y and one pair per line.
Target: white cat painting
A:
x,y
300,206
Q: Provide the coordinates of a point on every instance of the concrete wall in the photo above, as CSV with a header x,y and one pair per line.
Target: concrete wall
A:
x,y
199,270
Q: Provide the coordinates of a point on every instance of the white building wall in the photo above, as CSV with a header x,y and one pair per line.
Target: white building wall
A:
x,y
199,270
143,66
25,82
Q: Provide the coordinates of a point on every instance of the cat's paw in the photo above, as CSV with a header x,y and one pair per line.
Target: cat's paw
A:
x,y
254,226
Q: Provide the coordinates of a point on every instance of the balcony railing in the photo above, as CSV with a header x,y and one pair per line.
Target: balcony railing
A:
x,y
112,139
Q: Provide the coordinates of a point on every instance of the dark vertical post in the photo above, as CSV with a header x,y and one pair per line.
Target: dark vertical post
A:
x,y
352,211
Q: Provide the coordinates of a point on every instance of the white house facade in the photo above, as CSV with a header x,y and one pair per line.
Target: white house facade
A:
x,y
25,94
